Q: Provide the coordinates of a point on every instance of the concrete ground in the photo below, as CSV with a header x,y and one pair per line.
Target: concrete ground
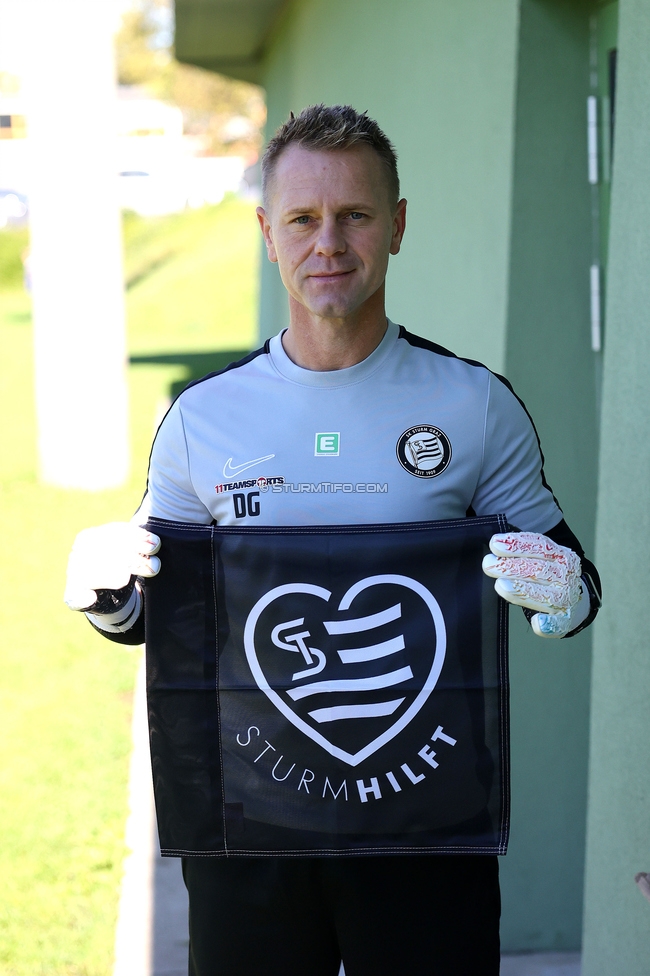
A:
x,y
151,937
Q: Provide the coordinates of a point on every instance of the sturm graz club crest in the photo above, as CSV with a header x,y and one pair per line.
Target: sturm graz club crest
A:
x,y
350,681
424,451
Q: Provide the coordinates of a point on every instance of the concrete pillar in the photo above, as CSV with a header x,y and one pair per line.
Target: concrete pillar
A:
x,y
617,917
76,250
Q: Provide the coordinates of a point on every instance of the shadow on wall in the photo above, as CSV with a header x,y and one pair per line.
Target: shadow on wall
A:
x,y
196,364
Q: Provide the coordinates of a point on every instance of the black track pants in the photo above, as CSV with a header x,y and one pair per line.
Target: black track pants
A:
x,y
384,916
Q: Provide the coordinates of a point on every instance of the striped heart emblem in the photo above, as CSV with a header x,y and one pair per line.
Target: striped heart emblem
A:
x,y
351,674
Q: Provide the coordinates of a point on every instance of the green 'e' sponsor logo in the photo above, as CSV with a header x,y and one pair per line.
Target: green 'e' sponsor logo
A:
x,y
327,445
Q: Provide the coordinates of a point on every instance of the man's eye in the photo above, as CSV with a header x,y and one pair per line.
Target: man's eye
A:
x,y
303,219
355,215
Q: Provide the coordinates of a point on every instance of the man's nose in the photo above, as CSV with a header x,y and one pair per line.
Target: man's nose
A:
x,y
330,239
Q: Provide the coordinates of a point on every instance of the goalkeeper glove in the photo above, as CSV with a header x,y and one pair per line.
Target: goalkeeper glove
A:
x,y
536,573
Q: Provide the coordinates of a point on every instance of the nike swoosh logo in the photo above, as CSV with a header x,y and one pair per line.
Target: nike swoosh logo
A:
x,y
232,470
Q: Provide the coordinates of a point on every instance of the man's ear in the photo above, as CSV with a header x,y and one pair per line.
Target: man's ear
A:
x,y
265,225
399,226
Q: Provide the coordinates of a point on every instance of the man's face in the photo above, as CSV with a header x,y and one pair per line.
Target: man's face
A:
x,y
330,226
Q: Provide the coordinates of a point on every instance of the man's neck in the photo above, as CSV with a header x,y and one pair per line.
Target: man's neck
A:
x,y
326,344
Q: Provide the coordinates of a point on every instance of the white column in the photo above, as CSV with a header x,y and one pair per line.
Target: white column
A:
x,y
76,249
134,931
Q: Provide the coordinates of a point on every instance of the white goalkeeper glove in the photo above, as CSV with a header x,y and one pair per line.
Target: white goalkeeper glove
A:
x,y
534,572
105,558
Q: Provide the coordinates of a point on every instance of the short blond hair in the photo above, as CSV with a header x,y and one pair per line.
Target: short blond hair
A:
x,y
331,127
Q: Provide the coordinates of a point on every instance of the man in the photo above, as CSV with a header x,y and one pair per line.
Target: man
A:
x,y
344,396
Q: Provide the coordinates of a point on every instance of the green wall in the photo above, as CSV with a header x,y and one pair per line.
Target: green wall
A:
x,y
485,102
439,77
617,918
550,363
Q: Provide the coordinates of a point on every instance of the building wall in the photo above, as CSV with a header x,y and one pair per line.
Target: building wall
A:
x,y
488,115
617,918
550,362
439,78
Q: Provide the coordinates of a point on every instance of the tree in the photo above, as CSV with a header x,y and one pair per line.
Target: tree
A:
x,y
228,114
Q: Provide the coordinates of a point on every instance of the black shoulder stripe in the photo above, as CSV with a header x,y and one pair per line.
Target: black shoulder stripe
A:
x,y
263,350
507,384
421,343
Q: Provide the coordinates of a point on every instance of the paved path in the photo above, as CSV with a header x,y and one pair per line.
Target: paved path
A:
x,y
151,937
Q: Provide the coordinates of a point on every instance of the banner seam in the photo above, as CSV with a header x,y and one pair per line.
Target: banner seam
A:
x,y
494,849
352,529
504,712
216,690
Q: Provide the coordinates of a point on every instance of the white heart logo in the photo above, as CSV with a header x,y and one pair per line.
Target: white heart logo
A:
x,y
349,675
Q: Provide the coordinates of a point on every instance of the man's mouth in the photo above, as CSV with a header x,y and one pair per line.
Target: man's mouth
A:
x,y
331,275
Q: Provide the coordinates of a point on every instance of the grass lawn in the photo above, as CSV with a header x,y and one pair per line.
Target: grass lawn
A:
x,y
65,694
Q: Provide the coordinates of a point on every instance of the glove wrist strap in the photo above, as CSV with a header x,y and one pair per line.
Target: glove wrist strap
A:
x,y
595,603
111,601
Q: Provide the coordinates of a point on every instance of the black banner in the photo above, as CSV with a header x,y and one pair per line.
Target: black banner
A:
x,y
328,690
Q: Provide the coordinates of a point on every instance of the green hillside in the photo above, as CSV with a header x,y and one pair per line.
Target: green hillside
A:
x,y
65,695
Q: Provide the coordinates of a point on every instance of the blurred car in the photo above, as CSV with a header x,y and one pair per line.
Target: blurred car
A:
x,y
150,194
191,182
14,209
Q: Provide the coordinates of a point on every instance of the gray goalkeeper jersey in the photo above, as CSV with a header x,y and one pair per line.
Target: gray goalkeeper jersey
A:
x,y
412,433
